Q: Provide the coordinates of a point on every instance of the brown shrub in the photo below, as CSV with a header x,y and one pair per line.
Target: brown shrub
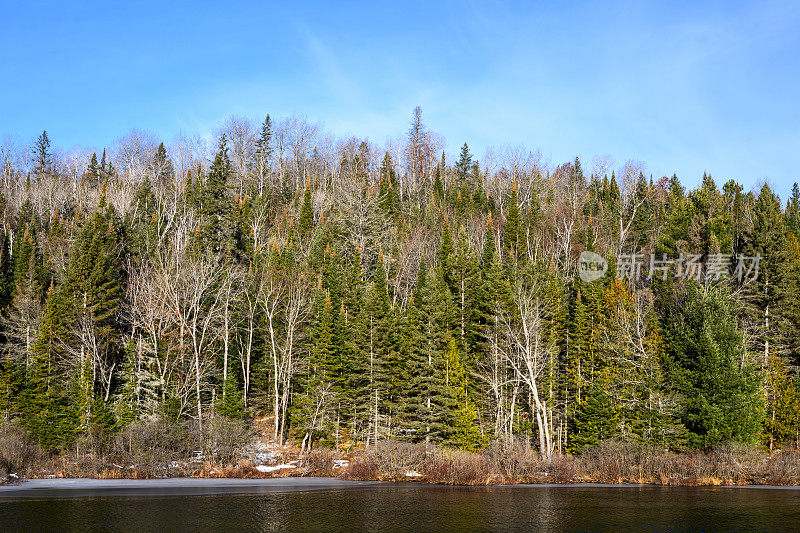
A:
x,y
319,462
387,460
151,447
224,440
611,462
736,463
559,469
394,459
783,468
456,467
17,454
513,461
363,467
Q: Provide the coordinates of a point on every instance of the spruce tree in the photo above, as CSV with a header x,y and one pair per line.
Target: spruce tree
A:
x,y
232,403
594,420
464,165
93,170
306,214
42,159
263,155
215,206
793,211
706,362
511,229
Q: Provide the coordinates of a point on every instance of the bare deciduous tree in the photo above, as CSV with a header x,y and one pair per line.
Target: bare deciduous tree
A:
x,y
527,350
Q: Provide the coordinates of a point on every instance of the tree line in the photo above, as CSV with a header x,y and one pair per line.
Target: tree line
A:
x,y
348,293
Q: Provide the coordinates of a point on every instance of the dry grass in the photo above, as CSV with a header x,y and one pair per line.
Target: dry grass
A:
x,y
454,467
146,449
17,455
319,462
157,449
610,462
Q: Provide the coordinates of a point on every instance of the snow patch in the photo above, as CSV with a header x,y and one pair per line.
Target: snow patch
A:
x,y
261,453
267,469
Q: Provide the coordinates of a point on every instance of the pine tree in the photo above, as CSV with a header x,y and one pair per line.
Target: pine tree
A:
x,y
679,217
793,211
46,405
417,349
722,398
25,285
215,206
465,433
161,168
767,246
594,420
781,423
42,159
445,255
464,165
787,304
389,196
263,155
511,230
642,218
438,187
93,170
232,403
306,214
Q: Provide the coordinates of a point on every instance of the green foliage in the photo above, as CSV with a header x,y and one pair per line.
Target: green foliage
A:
x,y
710,368
781,424
42,159
594,421
359,299
232,403
215,206
306,214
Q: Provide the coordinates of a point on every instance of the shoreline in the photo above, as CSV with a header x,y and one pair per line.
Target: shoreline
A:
x,y
609,464
179,486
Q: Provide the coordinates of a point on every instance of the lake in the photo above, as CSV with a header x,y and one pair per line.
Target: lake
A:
x,y
319,504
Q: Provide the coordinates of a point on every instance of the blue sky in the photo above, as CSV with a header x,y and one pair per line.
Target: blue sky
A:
x,y
684,87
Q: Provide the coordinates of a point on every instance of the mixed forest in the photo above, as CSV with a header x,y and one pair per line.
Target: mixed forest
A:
x,y
347,292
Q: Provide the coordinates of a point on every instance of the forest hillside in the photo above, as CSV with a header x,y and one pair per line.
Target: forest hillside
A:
x,y
349,293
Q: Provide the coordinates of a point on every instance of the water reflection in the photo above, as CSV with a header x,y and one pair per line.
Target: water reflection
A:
x,y
421,508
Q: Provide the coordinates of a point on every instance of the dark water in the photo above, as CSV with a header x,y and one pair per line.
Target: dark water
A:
x,y
344,507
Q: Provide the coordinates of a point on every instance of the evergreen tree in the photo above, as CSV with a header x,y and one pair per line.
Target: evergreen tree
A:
x,y
215,206
93,170
232,403
42,159
464,165
781,424
465,433
46,406
263,155
161,168
706,361
793,211
512,228
306,214
594,420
